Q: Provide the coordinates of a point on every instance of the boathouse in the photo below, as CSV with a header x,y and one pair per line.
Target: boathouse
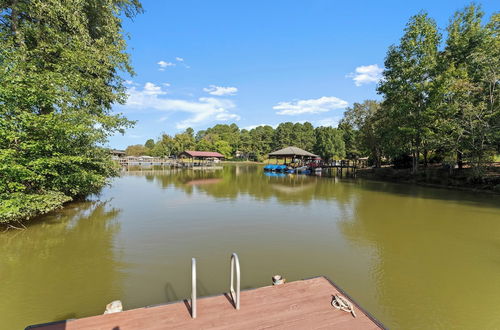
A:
x,y
117,154
200,158
292,153
201,155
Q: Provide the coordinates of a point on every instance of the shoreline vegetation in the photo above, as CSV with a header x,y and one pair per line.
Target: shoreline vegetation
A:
x,y
434,178
60,77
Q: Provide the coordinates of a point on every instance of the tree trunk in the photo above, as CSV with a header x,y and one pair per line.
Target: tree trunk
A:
x,y
426,152
414,162
460,160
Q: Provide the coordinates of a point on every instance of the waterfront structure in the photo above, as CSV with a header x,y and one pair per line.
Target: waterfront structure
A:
x,y
200,158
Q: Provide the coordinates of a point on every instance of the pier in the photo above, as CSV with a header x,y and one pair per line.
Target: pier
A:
x,y
305,304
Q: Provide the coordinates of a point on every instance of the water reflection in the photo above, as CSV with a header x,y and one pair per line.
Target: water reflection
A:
x,y
410,255
63,266
429,244
233,181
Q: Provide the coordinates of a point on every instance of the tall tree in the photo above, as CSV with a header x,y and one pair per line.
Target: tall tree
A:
x,y
284,136
361,121
59,77
409,71
329,143
150,144
470,79
304,136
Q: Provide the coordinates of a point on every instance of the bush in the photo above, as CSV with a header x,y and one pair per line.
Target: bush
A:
x,y
19,206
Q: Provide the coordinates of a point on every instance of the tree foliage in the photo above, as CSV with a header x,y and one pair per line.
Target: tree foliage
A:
x,y
59,65
410,69
438,100
329,143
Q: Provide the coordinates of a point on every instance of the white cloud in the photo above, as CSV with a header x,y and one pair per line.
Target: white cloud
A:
x,y
219,91
366,74
323,104
250,127
330,121
130,83
163,65
179,59
203,110
152,89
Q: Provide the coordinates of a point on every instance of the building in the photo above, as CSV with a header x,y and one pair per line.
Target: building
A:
x,y
201,157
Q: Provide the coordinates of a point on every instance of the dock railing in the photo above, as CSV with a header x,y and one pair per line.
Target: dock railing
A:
x,y
193,288
235,294
235,266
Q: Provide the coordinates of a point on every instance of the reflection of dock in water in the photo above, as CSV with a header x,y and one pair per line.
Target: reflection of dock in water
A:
x,y
203,181
292,189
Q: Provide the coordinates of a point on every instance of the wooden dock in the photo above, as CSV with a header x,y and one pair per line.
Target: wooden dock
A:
x,y
302,304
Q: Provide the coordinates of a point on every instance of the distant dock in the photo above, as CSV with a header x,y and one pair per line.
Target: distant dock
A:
x,y
305,304
132,161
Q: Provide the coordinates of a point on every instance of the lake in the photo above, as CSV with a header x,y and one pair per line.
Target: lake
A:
x,y
414,257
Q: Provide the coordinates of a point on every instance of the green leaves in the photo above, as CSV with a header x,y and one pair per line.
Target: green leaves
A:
x,y
329,143
18,206
59,65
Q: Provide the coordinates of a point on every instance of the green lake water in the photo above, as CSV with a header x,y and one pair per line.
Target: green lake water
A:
x,y
414,257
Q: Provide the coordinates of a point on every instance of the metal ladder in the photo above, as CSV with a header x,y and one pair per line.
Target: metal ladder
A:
x,y
235,295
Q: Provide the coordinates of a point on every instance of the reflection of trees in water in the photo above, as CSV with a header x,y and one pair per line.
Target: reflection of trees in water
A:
x,y
62,266
426,245
233,181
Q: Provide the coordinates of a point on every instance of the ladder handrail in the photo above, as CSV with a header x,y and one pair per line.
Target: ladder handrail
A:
x,y
235,263
193,288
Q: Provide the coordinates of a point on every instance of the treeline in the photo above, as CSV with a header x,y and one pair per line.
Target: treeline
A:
x,y
440,103
253,144
440,97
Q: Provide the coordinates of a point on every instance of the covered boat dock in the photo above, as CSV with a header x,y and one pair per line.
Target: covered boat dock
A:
x,y
292,153
200,158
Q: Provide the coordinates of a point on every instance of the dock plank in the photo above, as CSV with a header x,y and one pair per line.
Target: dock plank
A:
x,y
304,304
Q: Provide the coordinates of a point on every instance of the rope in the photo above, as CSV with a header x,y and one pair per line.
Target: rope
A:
x,y
343,304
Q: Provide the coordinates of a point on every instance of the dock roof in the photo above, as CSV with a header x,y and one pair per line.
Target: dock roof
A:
x,y
291,152
202,154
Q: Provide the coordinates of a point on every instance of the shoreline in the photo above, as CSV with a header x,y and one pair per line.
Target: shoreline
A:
x,y
432,178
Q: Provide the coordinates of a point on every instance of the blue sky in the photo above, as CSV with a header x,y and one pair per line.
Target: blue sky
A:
x,y
199,63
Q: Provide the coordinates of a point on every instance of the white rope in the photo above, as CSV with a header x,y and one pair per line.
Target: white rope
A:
x,y
343,304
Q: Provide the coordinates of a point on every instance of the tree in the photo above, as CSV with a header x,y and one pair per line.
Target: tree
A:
x,y
182,142
468,88
59,77
136,150
284,136
351,139
224,148
263,140
409,71
228,133
361,132
163,147
150,144
246,145
303,135
329,143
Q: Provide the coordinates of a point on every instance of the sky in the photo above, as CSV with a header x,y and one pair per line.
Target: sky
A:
x,y
259,62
